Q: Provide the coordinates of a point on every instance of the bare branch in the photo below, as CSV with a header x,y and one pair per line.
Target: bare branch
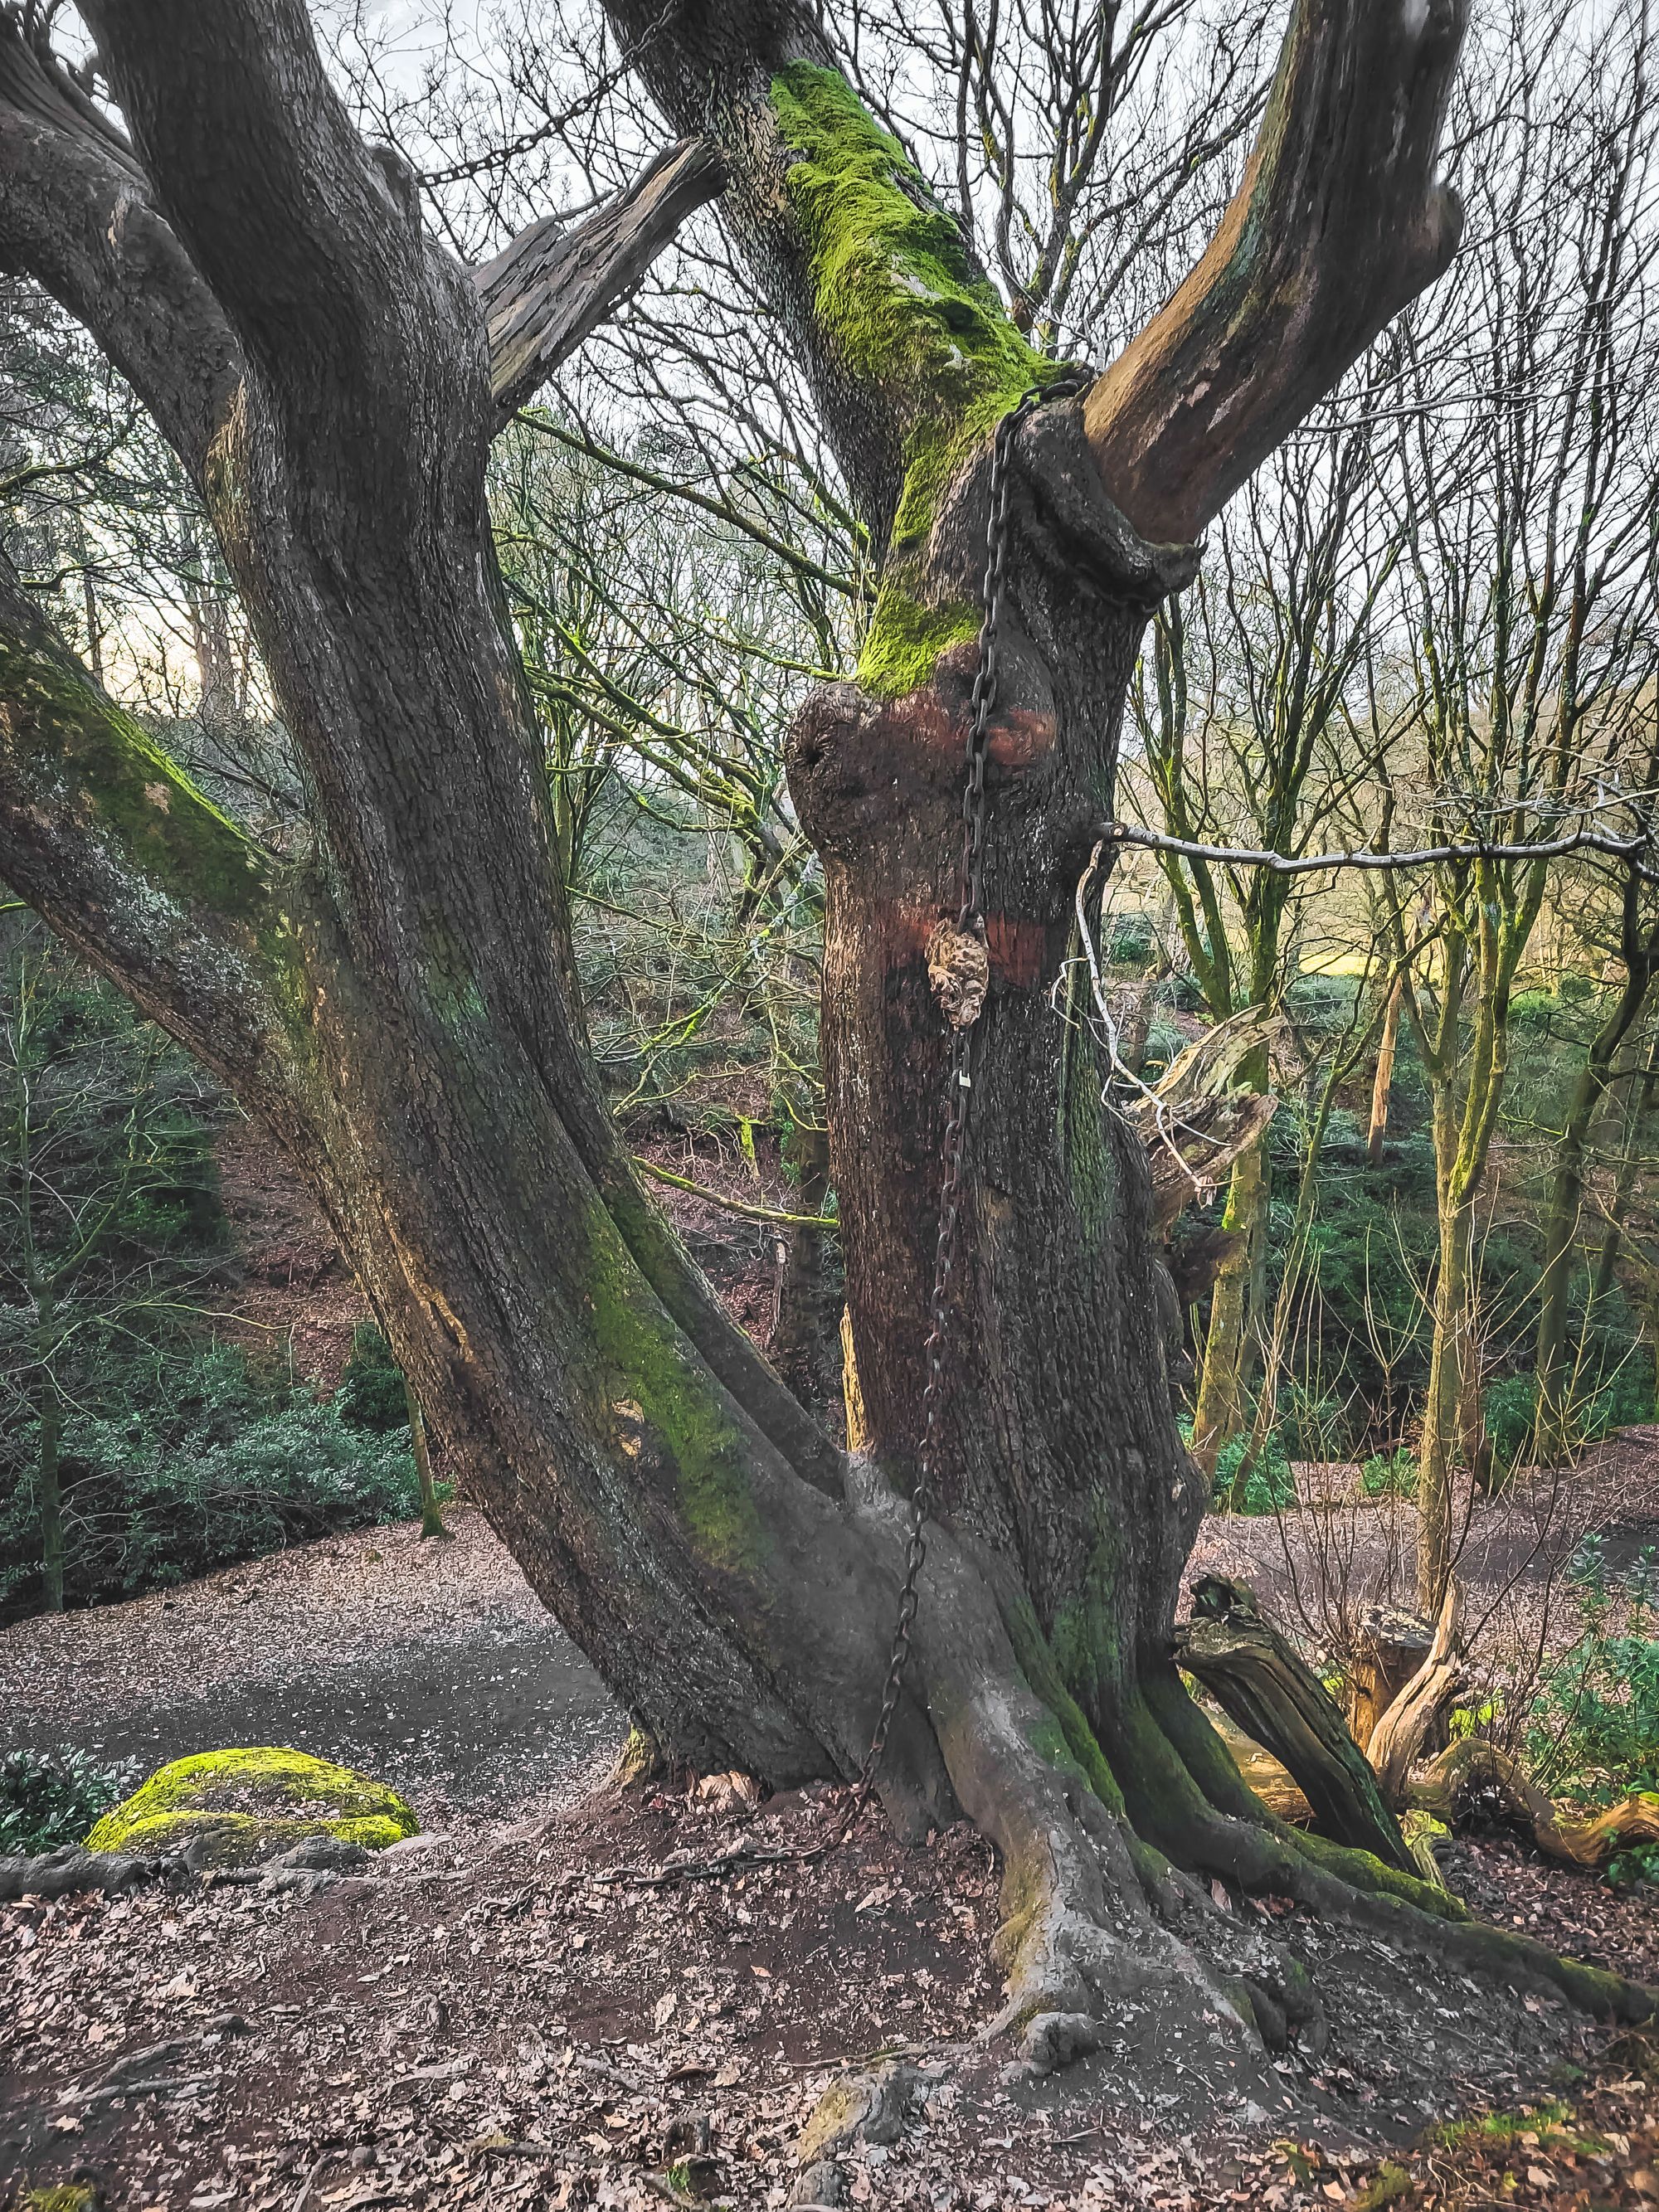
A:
x,y
1335,226
552,287
1628,849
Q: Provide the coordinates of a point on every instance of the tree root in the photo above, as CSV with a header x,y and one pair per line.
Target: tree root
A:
x,y
62,1873
1474,1768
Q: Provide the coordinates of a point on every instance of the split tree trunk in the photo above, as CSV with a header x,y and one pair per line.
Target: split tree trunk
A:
x,y
400,1010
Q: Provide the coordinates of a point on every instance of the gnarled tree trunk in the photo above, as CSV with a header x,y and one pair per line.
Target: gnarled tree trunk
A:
x,y
399,1008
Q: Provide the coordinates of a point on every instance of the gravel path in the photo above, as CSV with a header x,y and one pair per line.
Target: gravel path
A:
x,y
430,1665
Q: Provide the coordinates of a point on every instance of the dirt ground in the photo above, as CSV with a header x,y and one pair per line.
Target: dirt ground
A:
x,y
484,2019
474,2019
432,1665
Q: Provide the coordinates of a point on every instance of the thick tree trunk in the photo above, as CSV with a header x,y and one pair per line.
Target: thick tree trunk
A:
x,y
401,1010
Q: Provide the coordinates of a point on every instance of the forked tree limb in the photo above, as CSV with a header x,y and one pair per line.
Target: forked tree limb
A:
x,y
78,214
307,241
1337,224
553,287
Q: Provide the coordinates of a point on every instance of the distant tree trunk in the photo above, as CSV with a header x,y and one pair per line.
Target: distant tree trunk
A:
x,y
1564,1207
1624,1185
432,1520
1382,1084
806,1342
49,1499
1222,1410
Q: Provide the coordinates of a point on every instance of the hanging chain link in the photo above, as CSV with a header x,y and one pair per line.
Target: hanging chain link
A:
x,y
958,1086
958,1078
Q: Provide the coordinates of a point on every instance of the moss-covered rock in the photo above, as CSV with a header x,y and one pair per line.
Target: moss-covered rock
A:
x,y
240,1807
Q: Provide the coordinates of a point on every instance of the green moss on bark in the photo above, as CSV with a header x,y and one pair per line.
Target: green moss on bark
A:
x,y
1072,1734
904,309
160,827
663,1395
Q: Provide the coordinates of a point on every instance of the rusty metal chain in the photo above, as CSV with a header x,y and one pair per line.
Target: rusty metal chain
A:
x,y
958,1081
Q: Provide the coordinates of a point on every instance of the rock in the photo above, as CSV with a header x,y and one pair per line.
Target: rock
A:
x,y
1055,2040
251,1807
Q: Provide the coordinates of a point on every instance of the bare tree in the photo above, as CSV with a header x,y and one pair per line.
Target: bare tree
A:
x,y
1529,513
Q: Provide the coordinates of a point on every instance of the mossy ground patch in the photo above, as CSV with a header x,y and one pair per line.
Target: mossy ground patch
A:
x,y
254,1802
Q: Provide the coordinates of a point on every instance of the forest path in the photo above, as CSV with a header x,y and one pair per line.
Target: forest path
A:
x,y
430,1665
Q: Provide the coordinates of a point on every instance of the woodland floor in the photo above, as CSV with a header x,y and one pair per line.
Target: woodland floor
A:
x,y
475,2020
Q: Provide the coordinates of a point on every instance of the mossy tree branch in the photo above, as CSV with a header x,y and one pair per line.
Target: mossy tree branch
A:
x,y
105,835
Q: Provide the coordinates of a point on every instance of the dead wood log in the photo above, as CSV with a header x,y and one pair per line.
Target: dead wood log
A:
x,y
1389,1646
1197,1120
1257,1679
1404,1729
1468,1771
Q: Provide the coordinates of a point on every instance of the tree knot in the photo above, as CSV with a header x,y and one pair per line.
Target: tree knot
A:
x,y
959,969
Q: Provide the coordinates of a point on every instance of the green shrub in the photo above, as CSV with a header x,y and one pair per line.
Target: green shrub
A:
x,y
51,1798
1509,1408
213,1462
1390,1474
371,1394
1532,1010
1267,1487
1593,1731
